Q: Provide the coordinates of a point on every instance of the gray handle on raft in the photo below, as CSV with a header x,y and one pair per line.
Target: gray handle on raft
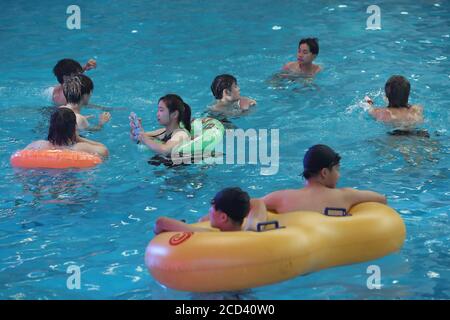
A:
x,y
267,223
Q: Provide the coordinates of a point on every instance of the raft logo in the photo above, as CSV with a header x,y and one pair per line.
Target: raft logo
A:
x,y
374,281
180,238
235,146
74,280
74,20
374,21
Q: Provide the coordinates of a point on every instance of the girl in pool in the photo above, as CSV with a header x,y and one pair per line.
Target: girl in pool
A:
x,y
175,117
62,134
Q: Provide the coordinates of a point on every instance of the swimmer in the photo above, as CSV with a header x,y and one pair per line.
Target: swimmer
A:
x,y
62,135
398,113
228,98
228,210
66,68
308,49
175,117
321,171
77,91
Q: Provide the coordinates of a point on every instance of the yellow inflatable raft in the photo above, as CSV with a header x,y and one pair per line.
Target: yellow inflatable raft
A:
x,y
310,241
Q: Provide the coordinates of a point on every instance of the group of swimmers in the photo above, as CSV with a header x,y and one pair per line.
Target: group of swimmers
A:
x,y
230,206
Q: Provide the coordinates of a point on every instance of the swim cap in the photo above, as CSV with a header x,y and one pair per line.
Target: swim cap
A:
x,y
318,157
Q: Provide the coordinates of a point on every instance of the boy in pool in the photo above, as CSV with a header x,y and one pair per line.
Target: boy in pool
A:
x,y
228,98
227,213
399,112
308,49
77,91
321,171
66,68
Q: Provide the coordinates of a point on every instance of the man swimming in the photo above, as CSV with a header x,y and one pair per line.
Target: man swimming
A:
x,y
308,49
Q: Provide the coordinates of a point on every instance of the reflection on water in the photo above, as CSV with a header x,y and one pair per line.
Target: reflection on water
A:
x,y
56,186
415,150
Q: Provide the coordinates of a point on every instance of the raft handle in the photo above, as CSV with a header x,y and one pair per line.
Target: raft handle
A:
x,y
267,223
341,212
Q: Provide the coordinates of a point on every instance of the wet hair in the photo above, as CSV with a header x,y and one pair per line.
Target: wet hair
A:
x,y
76,86
66,68
234,202
318,157
397,90
313,44
220,83
175,103
61,131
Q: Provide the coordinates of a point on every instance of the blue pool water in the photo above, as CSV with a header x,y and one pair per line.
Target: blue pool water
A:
x,y
101,219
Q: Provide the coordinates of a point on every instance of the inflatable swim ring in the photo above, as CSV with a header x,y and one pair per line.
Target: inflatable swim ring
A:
x,y
54,159
206,133
310,241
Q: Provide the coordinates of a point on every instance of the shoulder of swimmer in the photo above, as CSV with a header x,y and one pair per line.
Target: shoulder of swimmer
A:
x,y
39,145
293,65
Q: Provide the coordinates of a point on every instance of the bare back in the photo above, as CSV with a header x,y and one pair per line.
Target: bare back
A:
x,y
318,198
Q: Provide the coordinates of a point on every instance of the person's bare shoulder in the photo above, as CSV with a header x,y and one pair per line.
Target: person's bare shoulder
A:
x,y
290,66
38,145
58,96
317,69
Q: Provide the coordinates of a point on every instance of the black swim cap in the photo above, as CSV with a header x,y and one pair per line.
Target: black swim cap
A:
x,y
318,157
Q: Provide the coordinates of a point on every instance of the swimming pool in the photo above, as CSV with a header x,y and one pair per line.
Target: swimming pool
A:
x,y
101,219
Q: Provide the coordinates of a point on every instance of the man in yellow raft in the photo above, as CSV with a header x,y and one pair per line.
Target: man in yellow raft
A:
x,y
321,171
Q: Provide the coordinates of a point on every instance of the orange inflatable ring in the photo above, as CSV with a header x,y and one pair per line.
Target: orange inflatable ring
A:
x,y
55,159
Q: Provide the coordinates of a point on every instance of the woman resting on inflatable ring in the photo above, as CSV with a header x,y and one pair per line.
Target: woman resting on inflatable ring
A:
x,y
62,135
172,111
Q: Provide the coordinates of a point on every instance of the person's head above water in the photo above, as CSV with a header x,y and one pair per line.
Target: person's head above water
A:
x,y
62,129
172,108
77,89
225,86
66,68
308,49
321,164
229,208
397,90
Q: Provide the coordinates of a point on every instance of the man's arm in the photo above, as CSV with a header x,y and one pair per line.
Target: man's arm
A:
x,y
164,224
273,201
245,103
354,196
257,214
103,118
